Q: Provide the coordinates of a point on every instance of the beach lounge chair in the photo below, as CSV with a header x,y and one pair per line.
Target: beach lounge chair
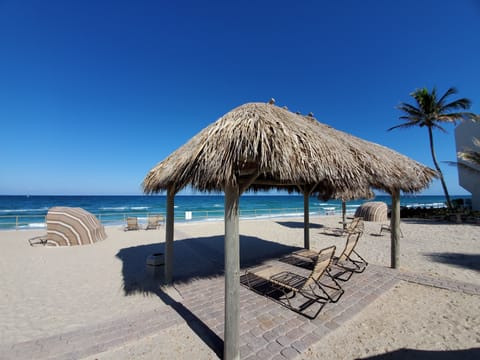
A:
x,y
356,225
350,261
38,240
312,287
387,227
154,221
132,224
346,264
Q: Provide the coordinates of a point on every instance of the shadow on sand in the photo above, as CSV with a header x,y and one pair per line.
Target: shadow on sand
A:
x,y
194,258
298,224
403,354
468,261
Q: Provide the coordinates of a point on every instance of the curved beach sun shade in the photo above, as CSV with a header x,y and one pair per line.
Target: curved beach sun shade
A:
x,y
373,211
67,226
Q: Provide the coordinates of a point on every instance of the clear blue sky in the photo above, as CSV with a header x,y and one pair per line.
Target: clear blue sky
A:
x,y
94,93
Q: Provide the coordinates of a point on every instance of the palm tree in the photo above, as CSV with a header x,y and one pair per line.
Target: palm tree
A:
x,y
431,112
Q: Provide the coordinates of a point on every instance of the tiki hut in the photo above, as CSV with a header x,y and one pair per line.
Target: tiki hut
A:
x,y
260,146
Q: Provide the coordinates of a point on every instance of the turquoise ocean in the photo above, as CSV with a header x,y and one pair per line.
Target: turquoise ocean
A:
x,y
28,212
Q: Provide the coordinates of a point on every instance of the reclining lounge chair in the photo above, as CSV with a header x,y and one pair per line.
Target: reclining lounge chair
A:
x,y
132,224
348,262
313,288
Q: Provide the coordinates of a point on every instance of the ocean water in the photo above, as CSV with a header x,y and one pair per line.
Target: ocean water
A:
x,y
28,212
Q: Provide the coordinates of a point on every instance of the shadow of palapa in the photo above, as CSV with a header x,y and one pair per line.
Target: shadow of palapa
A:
x,y
194,258
468,261
298,224
403,354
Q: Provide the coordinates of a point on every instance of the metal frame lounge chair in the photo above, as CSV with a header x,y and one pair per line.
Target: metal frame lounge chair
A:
x,y
348,262
153,222
290,283
132,224
354,226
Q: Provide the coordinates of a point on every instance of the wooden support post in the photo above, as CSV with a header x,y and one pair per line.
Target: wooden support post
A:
x,y
231,350
169,235
395,230
344,214
306,219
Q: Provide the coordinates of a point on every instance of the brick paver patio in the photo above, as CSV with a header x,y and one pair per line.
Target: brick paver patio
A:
x,y
267,329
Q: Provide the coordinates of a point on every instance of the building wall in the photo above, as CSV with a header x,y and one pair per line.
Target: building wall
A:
x,y
468,179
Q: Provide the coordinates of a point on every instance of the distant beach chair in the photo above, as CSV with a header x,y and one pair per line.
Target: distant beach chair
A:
x,y
38,240
154,221
329,210
347,263
356,225
132,224
290,282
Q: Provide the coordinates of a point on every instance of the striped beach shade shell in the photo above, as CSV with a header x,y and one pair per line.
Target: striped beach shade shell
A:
x,y
266,146
373,211
69,226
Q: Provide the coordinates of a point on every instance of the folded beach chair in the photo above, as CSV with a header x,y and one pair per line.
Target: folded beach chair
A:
x,y
132,224
312,287
153,222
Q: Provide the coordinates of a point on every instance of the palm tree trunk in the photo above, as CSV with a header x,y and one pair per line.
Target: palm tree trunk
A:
x,y
440,174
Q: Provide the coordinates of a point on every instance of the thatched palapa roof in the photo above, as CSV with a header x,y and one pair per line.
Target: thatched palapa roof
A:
x,y
265,146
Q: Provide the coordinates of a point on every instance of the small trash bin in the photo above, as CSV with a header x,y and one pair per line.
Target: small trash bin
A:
x,y
157,259
154,265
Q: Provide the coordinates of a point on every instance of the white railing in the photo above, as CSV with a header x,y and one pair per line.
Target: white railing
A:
x,y
9,222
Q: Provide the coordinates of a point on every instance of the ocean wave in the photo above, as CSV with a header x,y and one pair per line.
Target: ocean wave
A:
x,y
33,226
427,205
139,208
114,208
22,210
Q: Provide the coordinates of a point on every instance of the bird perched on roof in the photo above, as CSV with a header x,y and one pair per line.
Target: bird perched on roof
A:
x,y
271,101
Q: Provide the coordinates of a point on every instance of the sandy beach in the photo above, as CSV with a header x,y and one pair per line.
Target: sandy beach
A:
x,y
47,292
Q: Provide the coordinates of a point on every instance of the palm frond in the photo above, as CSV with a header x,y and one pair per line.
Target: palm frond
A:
x,y
403,126
409,109
462,103
464,166
449,92
437,126
470,156
455,117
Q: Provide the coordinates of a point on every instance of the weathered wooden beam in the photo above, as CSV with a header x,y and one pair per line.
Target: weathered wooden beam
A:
x,y
275,183
306,190
306,220
247,182
395,230
231,350
168,271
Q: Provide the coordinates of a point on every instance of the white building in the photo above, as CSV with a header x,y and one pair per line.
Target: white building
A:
x,y
469,179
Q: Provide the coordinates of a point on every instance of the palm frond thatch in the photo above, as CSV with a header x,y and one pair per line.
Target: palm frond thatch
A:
x,y
265,146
